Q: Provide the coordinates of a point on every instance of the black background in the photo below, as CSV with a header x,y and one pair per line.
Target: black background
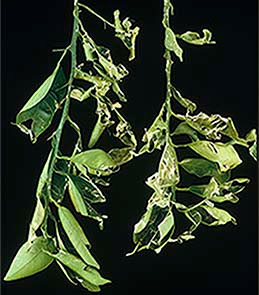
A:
x,y
220,79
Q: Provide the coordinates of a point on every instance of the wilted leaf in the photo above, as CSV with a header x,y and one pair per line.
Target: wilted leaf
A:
x,y
37,220
121,155
195,39
155,227
81,205
30,259
223,154
125,134
185,102
76,236
184,129
43,104
126,33
87,273
155,135
171,43
214,126
203,167
168,166
96,161
103,121
253,150
213,216
89,191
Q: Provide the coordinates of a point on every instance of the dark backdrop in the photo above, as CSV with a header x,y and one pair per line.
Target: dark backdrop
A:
x,y
221,79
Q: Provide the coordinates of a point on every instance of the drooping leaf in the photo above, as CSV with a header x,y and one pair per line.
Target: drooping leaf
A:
x,y
185,102
155,227
184,129
126,33
155,135
253,150
81,205
168,166
37,220
103,121
86,272
121,155
172,44
30,259
76,236
43,104
213,216
96,161
214,126
195,39
59,181
125,134
202,167
89,191
223,154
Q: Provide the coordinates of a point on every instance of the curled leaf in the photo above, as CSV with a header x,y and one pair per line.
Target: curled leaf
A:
x,y
155,227
172,44
103,121
185,102
126,33
195,39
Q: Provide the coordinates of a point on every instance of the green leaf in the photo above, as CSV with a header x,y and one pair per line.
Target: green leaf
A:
x,y
87,273
251,136
125,134
96,161
30,259
43,104
213,216
76,236
223,192
253,150
184,129
87,189
155,135
195,39
155,227
171,43
185,102
223,154
203,167
214,126
59,180
37,220
168,166
121,155
103,121
125,33
81,205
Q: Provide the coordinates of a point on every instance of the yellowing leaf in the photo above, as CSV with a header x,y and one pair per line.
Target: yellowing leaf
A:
x,y
195,39
171,43
223,154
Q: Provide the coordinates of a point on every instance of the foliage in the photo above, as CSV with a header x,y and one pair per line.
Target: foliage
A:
x,y
76,175
80,174
215,159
